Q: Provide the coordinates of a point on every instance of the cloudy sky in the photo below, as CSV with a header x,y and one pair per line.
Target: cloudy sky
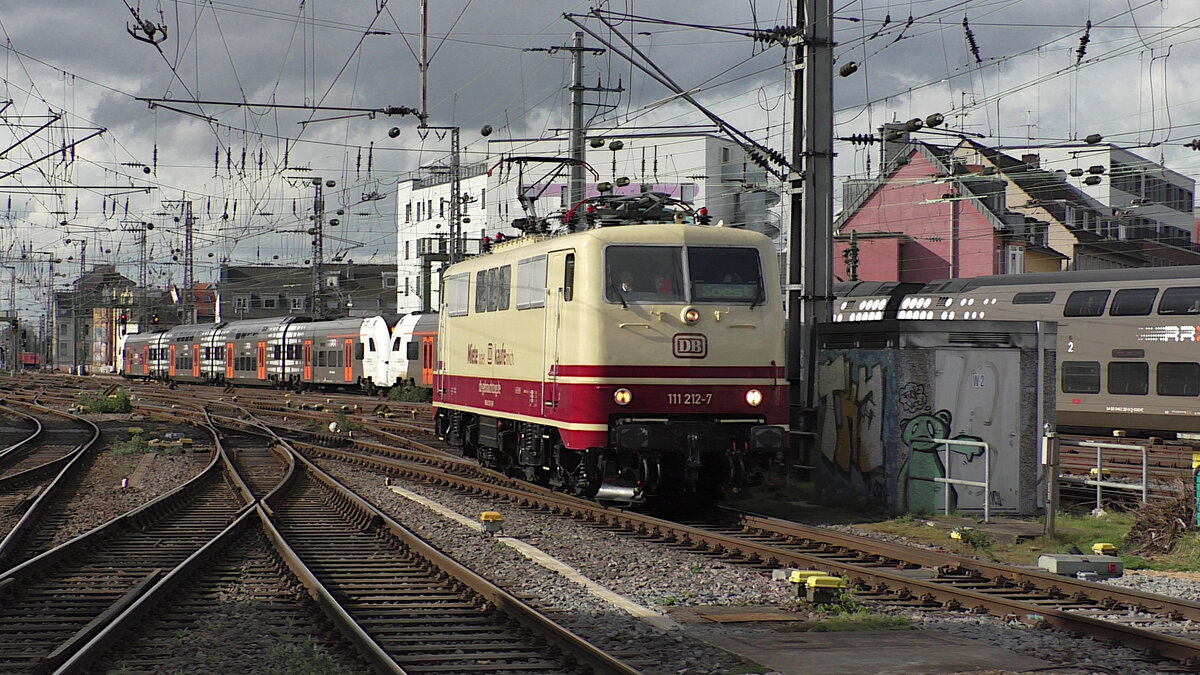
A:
x,y
312,70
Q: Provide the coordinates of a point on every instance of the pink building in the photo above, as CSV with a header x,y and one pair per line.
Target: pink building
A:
x,y
922,221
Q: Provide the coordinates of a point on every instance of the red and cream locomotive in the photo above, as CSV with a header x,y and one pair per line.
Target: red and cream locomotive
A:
x,y
621,362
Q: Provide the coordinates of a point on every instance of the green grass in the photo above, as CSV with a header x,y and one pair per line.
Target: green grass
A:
x,y
1080,531
117,403
290,657
859,621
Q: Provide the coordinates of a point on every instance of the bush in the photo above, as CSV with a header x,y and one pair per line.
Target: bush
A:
x,y
407,393
136,445
116,403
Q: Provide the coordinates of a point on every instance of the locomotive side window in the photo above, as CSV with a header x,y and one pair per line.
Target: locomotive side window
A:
x,y
414,350
1129,377
1183,300
1133,302
482,291
1033,298
725,274
1081,377
569,278
531,282
358,351
1178,379
457,287
1086,303
643,274
503,286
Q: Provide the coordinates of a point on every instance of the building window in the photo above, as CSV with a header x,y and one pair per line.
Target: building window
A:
x,y
483,198
389,281
407,249
406,285
408,212
441,208
270,302
241,303
296,303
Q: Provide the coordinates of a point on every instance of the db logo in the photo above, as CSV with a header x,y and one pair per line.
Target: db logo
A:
x,y
689,346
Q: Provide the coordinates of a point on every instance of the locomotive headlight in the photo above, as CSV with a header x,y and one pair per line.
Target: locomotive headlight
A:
x,y
623,396
690,315
754,398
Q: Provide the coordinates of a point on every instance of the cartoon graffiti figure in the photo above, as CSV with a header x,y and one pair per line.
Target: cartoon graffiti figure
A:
x,y
918,490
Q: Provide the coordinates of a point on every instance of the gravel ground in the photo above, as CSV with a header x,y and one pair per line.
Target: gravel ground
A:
x,y
660,577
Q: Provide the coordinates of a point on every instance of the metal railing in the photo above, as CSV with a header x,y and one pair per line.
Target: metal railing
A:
x,y
947,481
1099,481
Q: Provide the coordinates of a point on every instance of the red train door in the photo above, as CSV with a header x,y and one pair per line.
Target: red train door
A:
x,y
229,361
261,364
171,363
427,360
308,360
348,360
145,360
196,360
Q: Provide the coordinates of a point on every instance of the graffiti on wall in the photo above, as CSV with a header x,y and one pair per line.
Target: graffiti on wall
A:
x,y
917,484
854,420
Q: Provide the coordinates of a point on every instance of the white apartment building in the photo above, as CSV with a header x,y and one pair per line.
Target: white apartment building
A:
x,y
1146,199
704,170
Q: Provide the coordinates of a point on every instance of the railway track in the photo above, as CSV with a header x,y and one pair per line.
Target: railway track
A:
x,y
887,573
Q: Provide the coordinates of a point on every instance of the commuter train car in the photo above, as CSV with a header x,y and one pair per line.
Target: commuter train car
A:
x,y
619,363
1127,339
413,353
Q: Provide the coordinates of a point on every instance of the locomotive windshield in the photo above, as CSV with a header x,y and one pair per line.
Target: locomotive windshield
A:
x,y
725,274
654,274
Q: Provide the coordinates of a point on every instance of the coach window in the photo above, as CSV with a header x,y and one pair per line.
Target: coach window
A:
x,y
1086,303
1133,302
358,351
1033,298
1131,378
1178,379
321,358
413,351
1182,300
569,278
725,274
1081,377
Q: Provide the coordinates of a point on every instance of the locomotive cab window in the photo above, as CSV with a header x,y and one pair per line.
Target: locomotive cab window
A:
x,y
725,274
1133,302
531,282
643,274
1182,300
1086,303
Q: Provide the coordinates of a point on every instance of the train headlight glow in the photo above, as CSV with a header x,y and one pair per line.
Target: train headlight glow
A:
x,y
690,315
623,396
754,397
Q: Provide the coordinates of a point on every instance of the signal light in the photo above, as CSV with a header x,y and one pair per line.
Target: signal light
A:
x,y
154,319
702,216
